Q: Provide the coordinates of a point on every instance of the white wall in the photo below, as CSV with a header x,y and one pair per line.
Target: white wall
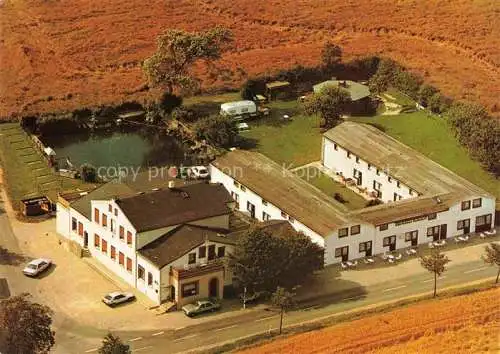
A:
x,y
153,291
217,176
367,233
63,220
337,161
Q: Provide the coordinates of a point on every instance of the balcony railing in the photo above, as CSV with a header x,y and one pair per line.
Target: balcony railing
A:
x,y
196,269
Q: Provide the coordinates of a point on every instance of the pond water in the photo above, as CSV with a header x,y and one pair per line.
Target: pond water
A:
x,y
146,147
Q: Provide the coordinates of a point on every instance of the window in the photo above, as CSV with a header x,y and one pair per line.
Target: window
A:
x,y
97,241
335,147
369,166
343,232
378,172
410,235
113,252
129,238
342,251
476,203
356,229
357,159
265,216
397,197
140,272
462,224
104,220
236,184
264,202
96,216
150,279
192,258
113,230
110,208
432,216
189,289
389,178
483,220
377,186
116,212
121,259
122,233
73,224
348,154
410,191
389,240
243,188
291,220
433,230
283,215
202,252
383,227
80,229
211,252
104,246
129,265
466,205
221,251
365,246
398,184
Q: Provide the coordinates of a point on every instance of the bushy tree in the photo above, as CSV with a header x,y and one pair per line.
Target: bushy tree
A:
x,y
25,326
425,94
331,55
436,264
218,130
384,76
492,256
436,103
267,258
177,51
330,103
112,344
407,82
284,300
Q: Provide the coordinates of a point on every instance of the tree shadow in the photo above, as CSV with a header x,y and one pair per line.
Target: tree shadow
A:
x,y
246,143
10,258
47,271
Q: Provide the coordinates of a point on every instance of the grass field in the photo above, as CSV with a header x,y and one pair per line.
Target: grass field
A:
x,y
61,55
431,136
461,324
294,143
330,187
25,171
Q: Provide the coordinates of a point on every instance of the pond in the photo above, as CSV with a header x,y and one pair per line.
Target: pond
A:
x,y
123,148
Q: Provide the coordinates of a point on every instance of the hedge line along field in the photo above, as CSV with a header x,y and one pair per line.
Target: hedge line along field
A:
x,y
462,324
64,54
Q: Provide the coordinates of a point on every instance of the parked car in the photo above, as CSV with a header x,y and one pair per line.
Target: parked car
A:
x,y
242,127
200,306
116,298
36,267
200,172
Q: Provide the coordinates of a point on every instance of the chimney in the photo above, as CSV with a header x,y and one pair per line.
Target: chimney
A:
x,y
171,184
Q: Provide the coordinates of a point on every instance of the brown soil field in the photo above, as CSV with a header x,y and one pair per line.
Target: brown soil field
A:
x,y
63,54
463,324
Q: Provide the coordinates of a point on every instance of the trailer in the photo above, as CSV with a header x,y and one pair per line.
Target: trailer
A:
x,y
239,109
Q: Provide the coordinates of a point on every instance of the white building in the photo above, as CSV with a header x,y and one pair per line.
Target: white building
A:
x,y
166,242
423,200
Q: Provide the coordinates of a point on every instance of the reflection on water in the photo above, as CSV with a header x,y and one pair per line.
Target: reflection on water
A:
x,y
146,147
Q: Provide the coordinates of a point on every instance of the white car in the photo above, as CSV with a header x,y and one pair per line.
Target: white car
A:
x,y
36,266
116,298
242,127
200,172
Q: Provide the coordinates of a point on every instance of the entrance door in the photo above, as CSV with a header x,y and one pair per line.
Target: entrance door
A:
x,y
483,223
251,209
213,286
368,252
442,231
85,239
414,238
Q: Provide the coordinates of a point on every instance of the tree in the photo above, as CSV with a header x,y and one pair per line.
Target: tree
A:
x,y
425,93
88,173
217,130
492,256
384,76
330,103
331,55
112,344
435,263
176,53
265,258
435,103
284,300
25,326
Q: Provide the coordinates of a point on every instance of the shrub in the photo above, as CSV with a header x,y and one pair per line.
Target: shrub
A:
x,y
339,198
217,130
88,173
373,202
184,114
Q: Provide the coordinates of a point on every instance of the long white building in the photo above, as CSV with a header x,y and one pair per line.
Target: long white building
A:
x,y
423,201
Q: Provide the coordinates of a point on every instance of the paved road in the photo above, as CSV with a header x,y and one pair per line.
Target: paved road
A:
x,y
214,332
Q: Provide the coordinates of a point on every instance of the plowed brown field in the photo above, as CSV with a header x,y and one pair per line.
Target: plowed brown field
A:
x,y
59,54
464,324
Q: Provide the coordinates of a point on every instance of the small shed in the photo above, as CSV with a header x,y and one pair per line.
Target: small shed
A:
x,y
356,90
239,109
276,87
36,206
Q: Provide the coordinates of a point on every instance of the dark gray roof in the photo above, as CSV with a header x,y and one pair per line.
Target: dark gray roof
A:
x,y
167,207
357,91
180,241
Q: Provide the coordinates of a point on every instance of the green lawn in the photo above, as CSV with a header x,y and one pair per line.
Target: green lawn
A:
x,y
431,136
296,142
399,98
330,187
